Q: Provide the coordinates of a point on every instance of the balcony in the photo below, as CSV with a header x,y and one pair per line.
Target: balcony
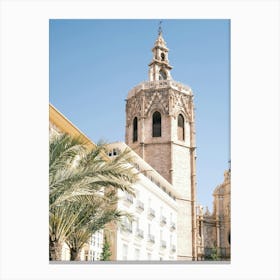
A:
x,y
151,238
162,220
139,233
128,199
151,213
172,226
162,244
140,206
127,227
173,248
160,84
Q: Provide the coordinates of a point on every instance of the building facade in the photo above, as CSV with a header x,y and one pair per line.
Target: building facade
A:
x,y
152,232
214,229
160,129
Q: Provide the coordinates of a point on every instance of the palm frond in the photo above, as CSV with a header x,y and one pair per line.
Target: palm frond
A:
x,y
83,187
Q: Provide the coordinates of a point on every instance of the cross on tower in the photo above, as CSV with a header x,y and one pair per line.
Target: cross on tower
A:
x,y
160,28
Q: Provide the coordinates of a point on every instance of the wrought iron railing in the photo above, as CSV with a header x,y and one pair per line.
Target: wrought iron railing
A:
x,y
151,238
127,226
139,233
173,248
140,205
129,198
163,220
172,226
151,213
163,244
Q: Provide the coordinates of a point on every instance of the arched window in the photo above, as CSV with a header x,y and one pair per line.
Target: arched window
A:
x,y
135,129
156,124
181,128
162,75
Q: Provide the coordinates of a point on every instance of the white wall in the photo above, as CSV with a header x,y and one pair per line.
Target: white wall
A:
x,y
145,191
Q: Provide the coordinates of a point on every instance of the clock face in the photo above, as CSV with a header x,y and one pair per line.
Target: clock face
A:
x,y
162,75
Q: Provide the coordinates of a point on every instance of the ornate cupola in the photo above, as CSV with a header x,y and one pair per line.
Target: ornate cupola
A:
x,y
159,67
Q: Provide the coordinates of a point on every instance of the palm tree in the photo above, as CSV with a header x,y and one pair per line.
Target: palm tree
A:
x,y
95,214
80,181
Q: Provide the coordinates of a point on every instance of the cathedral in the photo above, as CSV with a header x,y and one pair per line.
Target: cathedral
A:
x,y
213,234
160,133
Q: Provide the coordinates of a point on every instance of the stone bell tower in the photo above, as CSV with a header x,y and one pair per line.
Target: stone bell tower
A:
x,y
160,128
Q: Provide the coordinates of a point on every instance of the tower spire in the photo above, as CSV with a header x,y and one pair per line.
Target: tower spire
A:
x,y
159,68
160,28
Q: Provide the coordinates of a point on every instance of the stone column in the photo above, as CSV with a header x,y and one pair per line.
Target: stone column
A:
x,y
142,132
193,179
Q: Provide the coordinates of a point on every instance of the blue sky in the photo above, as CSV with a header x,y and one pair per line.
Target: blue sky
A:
x,y
94,63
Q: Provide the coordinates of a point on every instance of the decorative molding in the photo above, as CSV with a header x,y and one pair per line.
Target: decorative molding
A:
x,y
133,108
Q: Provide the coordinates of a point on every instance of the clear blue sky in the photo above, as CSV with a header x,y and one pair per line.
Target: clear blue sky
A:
x,y
94,63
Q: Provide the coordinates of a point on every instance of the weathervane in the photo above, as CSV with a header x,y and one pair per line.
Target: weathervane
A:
x,y
159,27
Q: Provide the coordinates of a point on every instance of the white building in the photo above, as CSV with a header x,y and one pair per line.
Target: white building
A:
x,y
90,252
152,233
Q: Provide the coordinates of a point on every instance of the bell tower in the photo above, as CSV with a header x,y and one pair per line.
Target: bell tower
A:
x,y
159,67
160,128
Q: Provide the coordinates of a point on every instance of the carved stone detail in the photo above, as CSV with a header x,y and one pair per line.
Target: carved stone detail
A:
x,y
133,108
156,100
180,103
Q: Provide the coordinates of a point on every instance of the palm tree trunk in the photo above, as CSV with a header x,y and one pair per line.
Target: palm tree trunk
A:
x,y
75,254
55,250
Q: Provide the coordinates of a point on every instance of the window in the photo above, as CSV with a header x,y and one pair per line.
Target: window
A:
x,y
127,224
137,223
137,254
124,251
162,56
181,128
90,255
162,75
135,129
156,124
